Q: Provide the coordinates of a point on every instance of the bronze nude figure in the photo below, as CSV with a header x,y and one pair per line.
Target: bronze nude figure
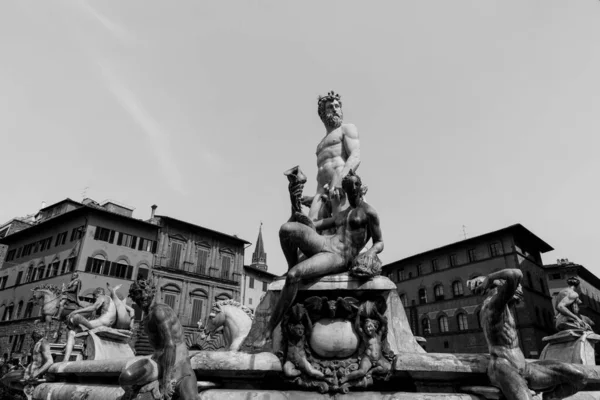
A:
x,y
508,369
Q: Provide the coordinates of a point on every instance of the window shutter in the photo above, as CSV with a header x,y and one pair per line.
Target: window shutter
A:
x,y
112,237
129,272
97,234
120,239
141,244
133,242
196,311
88,265
154,246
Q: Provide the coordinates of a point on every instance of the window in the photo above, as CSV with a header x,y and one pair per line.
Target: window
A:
x,y
77,233
457,289
409,275
434,264
529,281
11,255
443,323
250,300
555,276
19,309
463,324
404,300
120,270
438,292
203,255
19,250
18,343
68,265
401,275
446,344
197,306
251,283
169,300
46,243
419,270
175,254
30,276
146,245
36,247
494,249
41,271
265,285
426,326
452,260
142,273
28,310
225,266
53,269
60,239
3,282
104,234
8,312
96,265
422,296
27,249
125,240
19,277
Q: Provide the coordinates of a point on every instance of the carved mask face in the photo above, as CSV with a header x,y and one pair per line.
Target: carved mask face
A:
x,y
333,114
297,330
370,327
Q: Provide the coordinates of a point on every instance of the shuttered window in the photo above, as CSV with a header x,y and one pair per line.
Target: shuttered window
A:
x,y
202,261
175,254
225,266
170,300
197,305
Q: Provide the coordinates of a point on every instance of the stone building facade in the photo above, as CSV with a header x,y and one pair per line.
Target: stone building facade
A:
x,y
256,278
195,266
10,227
440,308
103,243
589,286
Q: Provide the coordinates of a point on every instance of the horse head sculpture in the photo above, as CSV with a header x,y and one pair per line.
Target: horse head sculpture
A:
x,y
235,319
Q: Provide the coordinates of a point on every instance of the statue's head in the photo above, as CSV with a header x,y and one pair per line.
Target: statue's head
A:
x,y
142,292
352,185
572,281
74,276
330,110
98,292
575,307
370,326
476,286
37,334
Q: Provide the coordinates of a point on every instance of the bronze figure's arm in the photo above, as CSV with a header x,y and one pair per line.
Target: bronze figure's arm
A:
x,y
375,230
46,359
512,277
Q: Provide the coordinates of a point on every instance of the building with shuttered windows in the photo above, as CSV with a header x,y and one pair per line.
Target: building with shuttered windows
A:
x,y
102,242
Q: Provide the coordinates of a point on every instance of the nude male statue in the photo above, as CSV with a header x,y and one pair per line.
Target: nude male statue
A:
x,y
105,313
69,294
41,357
125,313
508,369
337,154
567,317
326,254
166,337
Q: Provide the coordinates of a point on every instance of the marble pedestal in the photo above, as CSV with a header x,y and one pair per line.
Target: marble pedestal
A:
x,y
572,346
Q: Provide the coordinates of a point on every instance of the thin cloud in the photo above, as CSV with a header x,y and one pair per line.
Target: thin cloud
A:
x,y
159,141
118,31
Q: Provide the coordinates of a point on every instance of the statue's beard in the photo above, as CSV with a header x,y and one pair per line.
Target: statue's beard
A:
x,y
333,121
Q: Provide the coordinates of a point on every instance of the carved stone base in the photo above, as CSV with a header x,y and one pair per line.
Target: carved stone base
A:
x,y
572,346
106,343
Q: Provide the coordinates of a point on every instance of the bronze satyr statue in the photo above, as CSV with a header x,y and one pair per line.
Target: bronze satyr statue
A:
x,y
166,337
338,153
41,357
567,309
508,370
326,254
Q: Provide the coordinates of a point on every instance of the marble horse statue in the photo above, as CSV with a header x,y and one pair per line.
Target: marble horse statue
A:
x,y
49,298
236,320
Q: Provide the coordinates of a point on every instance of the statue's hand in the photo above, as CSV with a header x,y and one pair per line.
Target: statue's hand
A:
x,y
169,390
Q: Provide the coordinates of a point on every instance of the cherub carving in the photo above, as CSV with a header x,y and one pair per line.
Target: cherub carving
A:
x,y
295,326
371,325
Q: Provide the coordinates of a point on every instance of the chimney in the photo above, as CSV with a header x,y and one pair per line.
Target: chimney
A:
x,y
154,207
43,204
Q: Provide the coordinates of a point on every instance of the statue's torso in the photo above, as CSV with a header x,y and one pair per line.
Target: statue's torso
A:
x,y
331,156
352,232
500,331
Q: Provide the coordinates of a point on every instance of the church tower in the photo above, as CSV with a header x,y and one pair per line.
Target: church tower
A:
x,y
259,257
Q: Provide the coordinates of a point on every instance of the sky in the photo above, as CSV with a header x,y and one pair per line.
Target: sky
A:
x,y
477,113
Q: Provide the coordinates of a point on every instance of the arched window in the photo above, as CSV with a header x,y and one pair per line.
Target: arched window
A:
x,y
199,300
463,324
422,296
426,326
30,273
41,271
443,323
142,273
529,280
404,300
53,269
19,309
96,264
457,289
120,269
8,311
171,294
438,292
28,310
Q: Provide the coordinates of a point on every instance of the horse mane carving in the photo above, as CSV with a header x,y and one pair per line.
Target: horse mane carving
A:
x,y
52,288
216,307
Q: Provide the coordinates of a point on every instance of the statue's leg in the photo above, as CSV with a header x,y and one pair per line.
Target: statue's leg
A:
x,y
290,370
294,236
507,378
564,378
137,374
61,307
69,345
317,204
365,366
186,383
